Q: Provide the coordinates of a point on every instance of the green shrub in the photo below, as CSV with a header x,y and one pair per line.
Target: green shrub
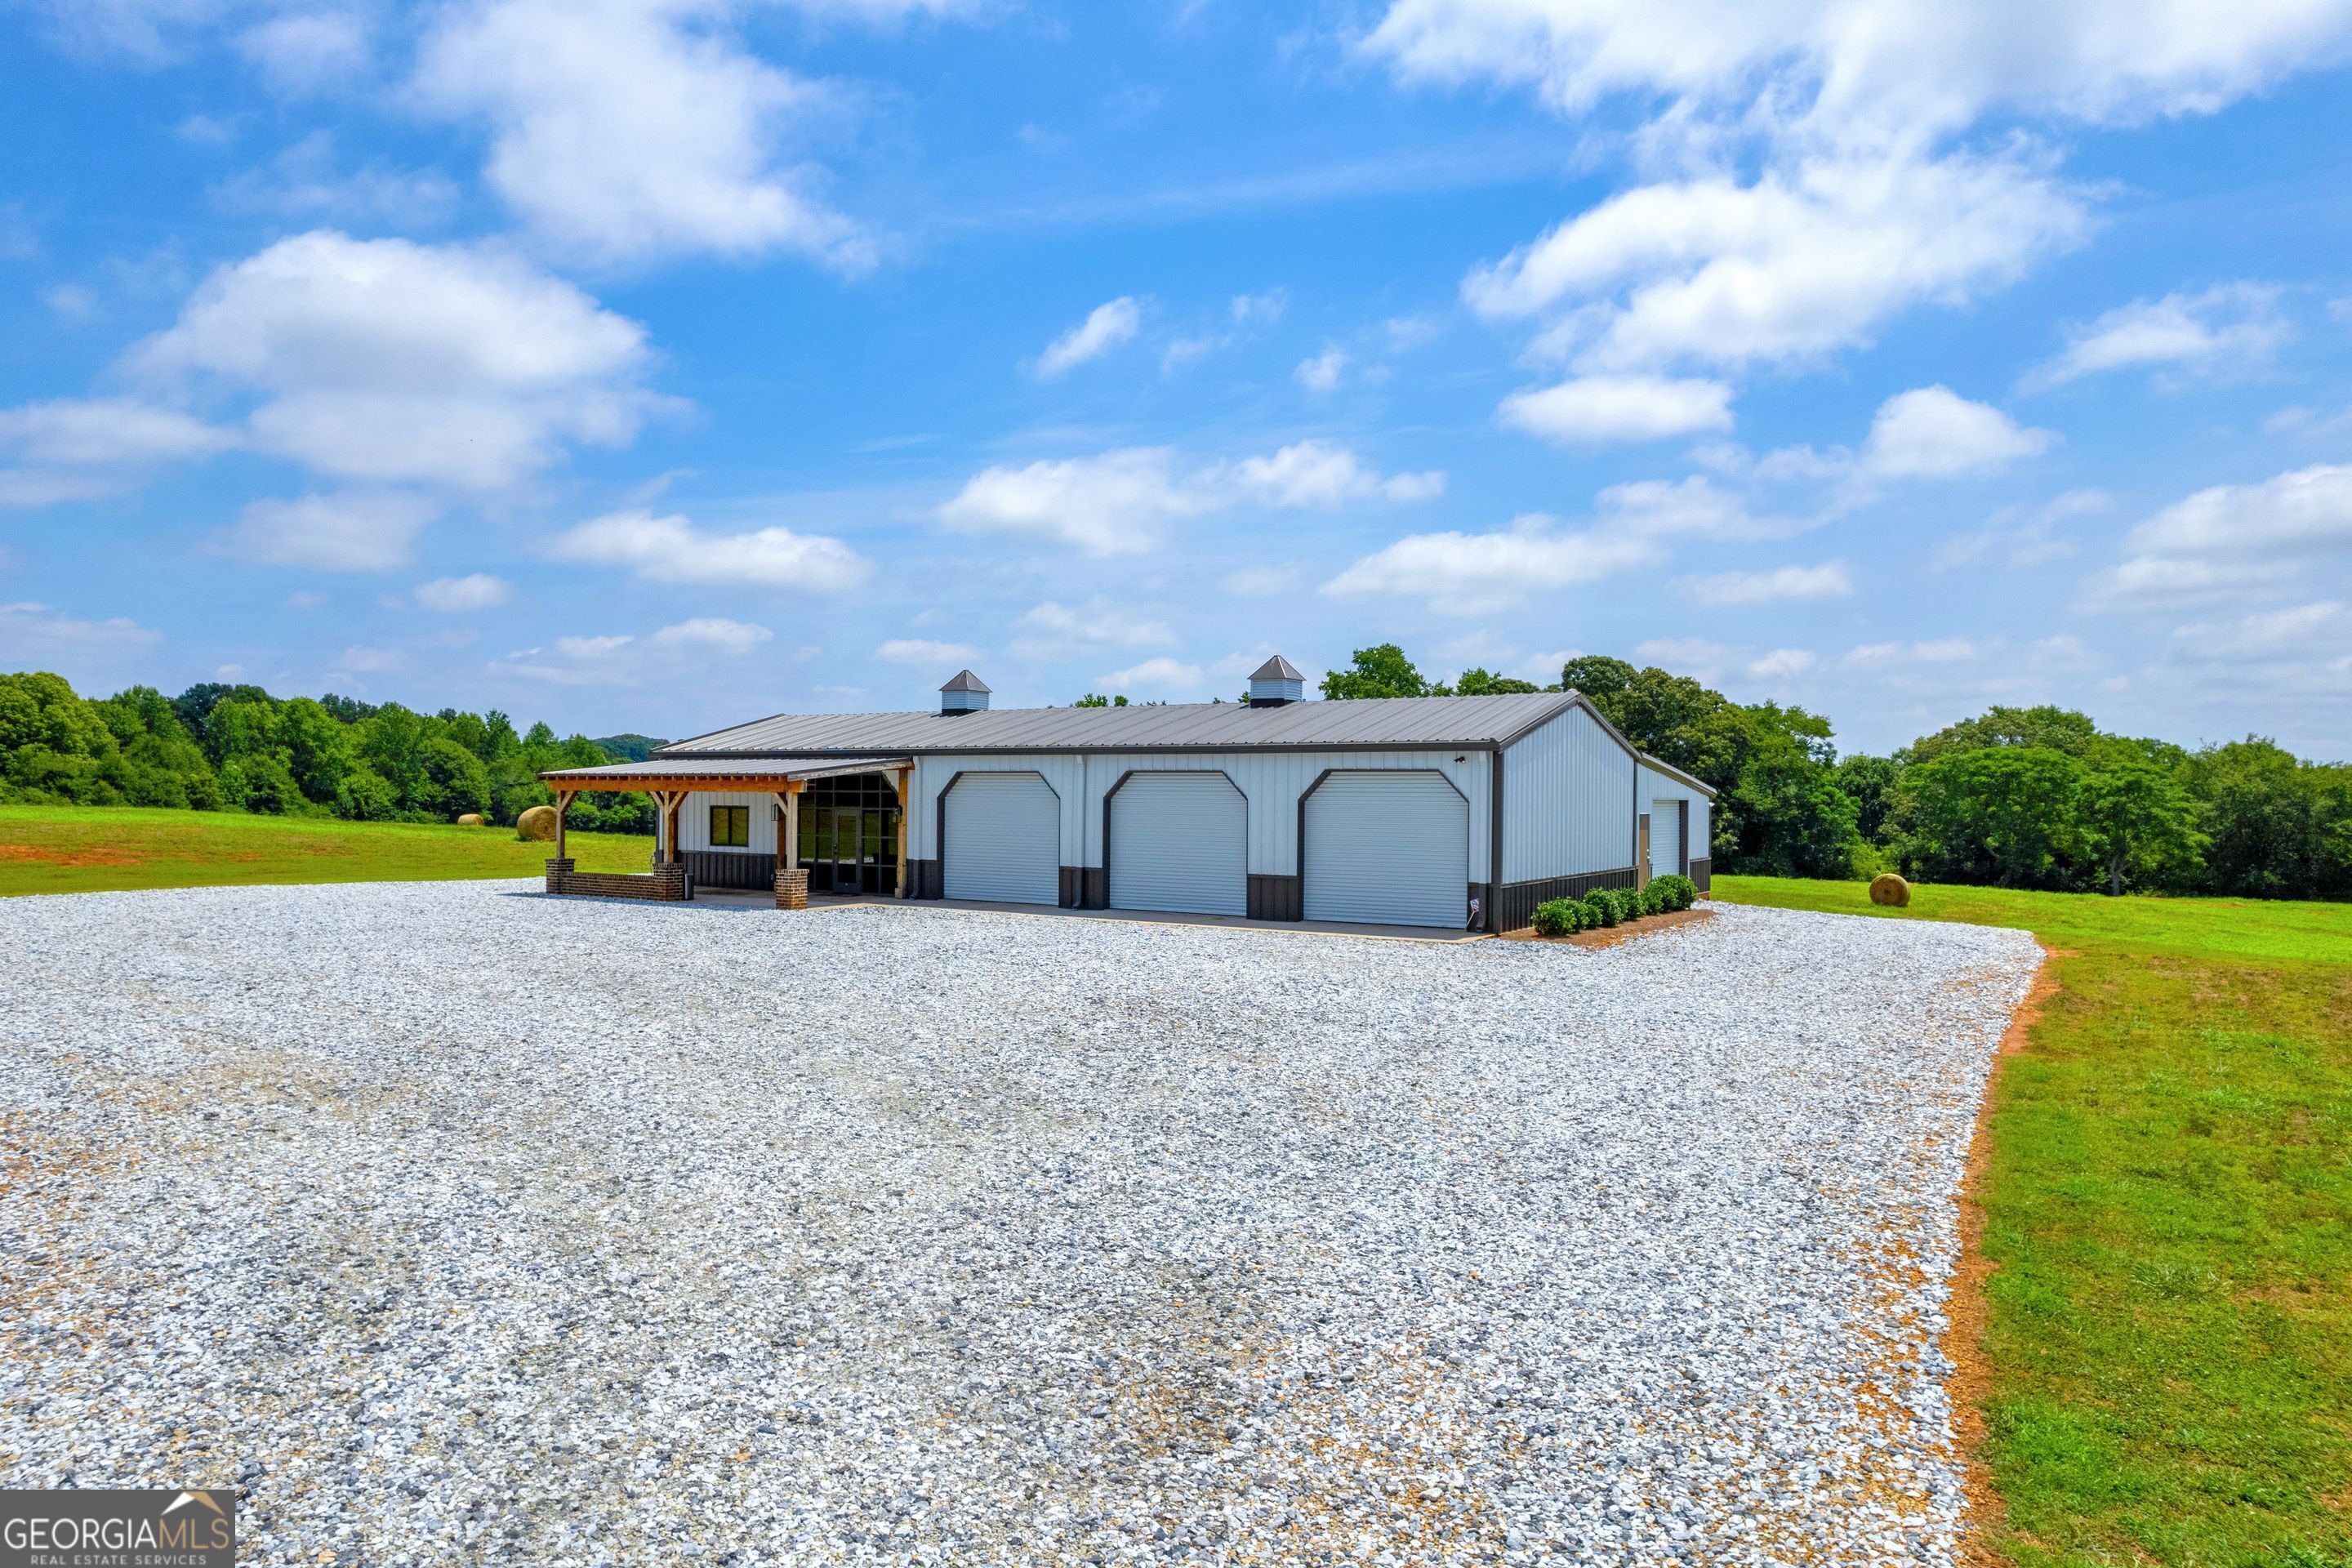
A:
x,y
1601,909
1557,917
1674,891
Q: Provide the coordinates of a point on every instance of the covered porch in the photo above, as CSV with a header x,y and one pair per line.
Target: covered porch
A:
x,y
844,819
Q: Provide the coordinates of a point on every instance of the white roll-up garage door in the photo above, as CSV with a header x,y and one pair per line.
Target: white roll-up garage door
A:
x,y
1003,839
1180,841
1387,848
1666,837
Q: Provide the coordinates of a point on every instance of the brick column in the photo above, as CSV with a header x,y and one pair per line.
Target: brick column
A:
x,y
669,882
791,889
559,872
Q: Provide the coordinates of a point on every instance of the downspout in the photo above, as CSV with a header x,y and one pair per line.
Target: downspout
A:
x,y
1493,840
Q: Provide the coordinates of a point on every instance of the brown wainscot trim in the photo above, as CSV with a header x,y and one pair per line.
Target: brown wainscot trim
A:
x,y
1073,886
1514,902
924,880
1275,897
732,868
1094,890
1699,870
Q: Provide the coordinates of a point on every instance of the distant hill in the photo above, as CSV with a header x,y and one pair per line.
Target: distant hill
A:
x,y
630,748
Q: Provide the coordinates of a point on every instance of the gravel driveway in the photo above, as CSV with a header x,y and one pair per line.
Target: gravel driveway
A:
x,y
457,1224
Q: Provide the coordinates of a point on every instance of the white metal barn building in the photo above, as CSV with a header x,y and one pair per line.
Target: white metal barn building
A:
x,y
1438,810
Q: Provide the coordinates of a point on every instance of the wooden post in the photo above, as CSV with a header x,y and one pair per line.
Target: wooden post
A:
x,y
673,803
562,809
902,776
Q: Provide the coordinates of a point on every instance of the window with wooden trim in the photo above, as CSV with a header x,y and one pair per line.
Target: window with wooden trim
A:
x,y
730,827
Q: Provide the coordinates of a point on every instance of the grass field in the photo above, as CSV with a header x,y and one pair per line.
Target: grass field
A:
x,y
91,850
2168,1217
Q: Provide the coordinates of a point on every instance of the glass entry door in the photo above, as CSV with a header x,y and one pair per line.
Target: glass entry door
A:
x,y
849,844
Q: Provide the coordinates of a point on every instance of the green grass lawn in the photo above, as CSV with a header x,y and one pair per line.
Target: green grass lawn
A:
x,y
2168,1217
89,850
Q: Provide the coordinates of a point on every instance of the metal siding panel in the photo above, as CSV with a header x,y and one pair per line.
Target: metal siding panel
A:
x,y
1568,801
1179,841
694,822
1390,847
1003,835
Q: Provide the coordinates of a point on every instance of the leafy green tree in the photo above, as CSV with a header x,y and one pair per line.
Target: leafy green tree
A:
x,y
455,781
2137,823
318,748
2054,728
390,742
2264,813
1096,700
1597,676
1380,671
1477,682
1869,783
1785,817
261,782
2004,814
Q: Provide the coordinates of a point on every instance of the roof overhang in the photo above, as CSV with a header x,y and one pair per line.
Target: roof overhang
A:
x,y
1675,773
729,775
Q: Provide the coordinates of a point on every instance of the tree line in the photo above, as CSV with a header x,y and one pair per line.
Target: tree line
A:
x,y
219,747
2016,797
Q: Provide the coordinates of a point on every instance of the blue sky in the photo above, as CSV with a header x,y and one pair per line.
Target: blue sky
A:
x,y
652,365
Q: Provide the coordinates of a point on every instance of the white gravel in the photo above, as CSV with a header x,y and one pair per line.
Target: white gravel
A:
x,y
457,1224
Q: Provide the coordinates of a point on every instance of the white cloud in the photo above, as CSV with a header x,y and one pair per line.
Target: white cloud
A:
x,y
364,660
33,634
304,182
1324,474
1934,433
2034,541
1790,267
1322,373
2296,514
1117,504
1782,664
1876,72
351,531
2221,330
73,301
2234,542
1467,574
1689,508
2308,632
593,648
713,631
47,486
1110,505
385,361
107,432
1595,409
1831,580
309,51
1105,327
1098,623
455,595
1939,651
1859,210
627,130
672,549
917,651
1155,675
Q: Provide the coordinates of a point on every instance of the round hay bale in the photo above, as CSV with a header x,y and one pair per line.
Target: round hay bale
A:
x,y
1886,887
471,819
537,823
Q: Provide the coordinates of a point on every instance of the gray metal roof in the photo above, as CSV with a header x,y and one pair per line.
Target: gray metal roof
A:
x,y
1276,668
1193,726
964,680
666,764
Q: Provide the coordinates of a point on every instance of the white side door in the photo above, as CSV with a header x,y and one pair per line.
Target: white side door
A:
x,y
1666,837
